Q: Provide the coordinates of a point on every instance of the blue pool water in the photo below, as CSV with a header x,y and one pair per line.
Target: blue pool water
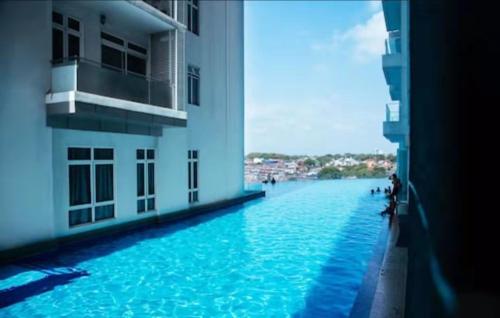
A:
x,y
300,252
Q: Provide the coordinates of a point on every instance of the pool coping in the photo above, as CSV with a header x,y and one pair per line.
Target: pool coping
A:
x,y
364,299
30,250
372,299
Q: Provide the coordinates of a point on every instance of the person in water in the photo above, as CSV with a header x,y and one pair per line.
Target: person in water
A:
x,y
273,181
372,191
378,189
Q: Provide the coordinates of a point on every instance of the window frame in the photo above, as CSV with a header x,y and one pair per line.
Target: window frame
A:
x,y
67,31
191,177
93,202
193,73
191,7
146,195
125,50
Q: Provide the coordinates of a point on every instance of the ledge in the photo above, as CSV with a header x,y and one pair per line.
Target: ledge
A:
x,y
53,245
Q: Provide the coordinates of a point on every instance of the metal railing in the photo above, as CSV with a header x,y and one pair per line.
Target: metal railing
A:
x,y
392,112
165,6
393,43
105,80
444,289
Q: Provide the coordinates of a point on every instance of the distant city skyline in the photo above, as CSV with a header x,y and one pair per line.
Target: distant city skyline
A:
x,y
313,77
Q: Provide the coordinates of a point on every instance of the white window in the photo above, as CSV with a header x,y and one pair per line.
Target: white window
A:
x,y
122,55
67,34
146,192
193,176
91,185
193,85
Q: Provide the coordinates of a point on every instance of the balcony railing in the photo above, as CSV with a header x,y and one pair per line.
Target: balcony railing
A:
x,y
392,112
393,43
165,6
93,77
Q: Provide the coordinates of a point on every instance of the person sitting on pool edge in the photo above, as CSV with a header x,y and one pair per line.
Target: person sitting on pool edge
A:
x,y
390,209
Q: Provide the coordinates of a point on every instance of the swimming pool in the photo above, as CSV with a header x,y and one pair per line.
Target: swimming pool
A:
x,y
300,252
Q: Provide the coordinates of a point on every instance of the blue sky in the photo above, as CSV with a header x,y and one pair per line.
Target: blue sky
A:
x,y
313,77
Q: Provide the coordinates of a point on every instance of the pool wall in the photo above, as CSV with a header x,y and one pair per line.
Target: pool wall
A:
x,y
10,255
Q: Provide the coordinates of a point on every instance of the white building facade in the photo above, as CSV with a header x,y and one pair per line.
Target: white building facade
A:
x,y
114,112
395,64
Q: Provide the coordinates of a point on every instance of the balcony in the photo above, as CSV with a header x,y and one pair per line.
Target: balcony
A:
x,y
83,90
392,14
165,6
392,63
148,16
394,128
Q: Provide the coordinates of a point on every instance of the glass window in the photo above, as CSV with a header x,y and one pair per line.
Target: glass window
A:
x,y
140,180
151,204
136,64
111,38
137,48
90,199
73,46
66,37
104,212
103,154
151,154
193,175
189,175
140,153
57,45
73,24
113,58
78,153
80,216
141,206
151,178
145,180
193,16
79,185
193,85
57,18
195,22
104,182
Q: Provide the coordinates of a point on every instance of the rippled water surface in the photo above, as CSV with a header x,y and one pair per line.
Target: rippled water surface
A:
x,y
300,252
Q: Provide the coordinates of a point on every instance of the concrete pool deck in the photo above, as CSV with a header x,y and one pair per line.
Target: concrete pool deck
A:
x,y
383,291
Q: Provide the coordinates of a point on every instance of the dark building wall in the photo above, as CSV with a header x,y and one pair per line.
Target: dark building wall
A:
x,y
453,47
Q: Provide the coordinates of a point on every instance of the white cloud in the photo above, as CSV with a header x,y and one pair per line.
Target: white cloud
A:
x,y
374,5
321,124
364,41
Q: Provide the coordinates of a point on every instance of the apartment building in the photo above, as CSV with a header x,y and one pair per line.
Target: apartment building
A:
x,y
395,66
116,111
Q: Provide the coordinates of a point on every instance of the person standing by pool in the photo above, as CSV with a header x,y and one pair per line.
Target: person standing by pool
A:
x,y
396,186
